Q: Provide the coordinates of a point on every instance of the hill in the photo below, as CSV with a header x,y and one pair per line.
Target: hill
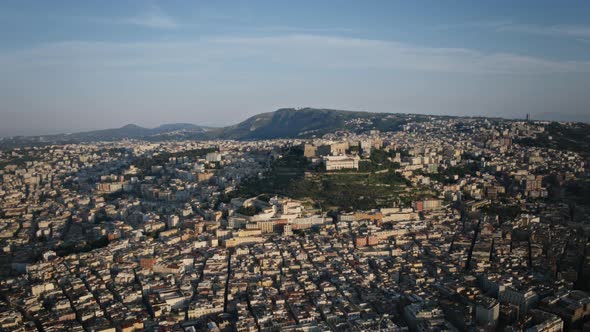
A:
x,y
309,122
130,131
283,123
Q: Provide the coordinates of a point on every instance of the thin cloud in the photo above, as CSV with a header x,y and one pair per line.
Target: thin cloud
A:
x,y
575,31
288,51
581,32
481,24
154,18
303,30
343,52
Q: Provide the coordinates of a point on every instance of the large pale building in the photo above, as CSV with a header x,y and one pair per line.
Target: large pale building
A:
x,y
341,162
213,157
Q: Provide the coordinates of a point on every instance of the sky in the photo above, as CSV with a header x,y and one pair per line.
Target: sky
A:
x,y
68,66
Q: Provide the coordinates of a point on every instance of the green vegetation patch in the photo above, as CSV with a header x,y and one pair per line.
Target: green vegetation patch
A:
x,y
571,137
294,176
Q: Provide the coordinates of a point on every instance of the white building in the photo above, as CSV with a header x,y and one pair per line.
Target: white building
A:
x,y
525,299
341,162
213,157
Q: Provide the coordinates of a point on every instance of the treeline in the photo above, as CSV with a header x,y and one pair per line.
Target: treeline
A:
x,y
248,210
73,248
378,161
291,167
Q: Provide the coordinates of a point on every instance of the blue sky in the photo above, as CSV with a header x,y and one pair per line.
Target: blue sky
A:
x,y
67,66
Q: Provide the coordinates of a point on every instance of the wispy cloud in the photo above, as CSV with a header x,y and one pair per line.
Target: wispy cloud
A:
x,y
575,31
480,24
301,30
344,52
287,51
154,17
581,32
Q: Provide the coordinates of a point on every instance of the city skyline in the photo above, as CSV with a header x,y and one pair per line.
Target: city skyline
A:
x,y
297,166
71,66
376,223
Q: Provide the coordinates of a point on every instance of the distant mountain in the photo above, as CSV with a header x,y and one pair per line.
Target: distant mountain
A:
x,y
309,122
283,123
180,127
130,131
127,131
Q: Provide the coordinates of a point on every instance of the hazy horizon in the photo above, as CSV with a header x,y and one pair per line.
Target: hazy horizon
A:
x,y
57,131
70,66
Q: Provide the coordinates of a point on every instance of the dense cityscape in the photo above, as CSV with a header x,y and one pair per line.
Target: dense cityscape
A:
x,y
296,166
447,224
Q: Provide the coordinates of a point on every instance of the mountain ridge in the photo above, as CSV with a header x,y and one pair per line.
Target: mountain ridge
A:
x,y
282,123
128,131
292,123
